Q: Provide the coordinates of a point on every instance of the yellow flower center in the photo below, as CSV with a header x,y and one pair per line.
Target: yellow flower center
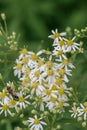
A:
x,y
40,63
69,42
53,87
61,42
60,104
65,61
34,57
85,110
5,107
61,91
49,64
13,102
35,85
24,51
56,35
61,72
60,52
36,121
37,74
27,71
59,81
19,66
2,95
53,99
50,72
48,92
25,60
21,99
75,111
25,81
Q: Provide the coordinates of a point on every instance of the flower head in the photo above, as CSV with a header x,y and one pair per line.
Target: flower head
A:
x,y
36,123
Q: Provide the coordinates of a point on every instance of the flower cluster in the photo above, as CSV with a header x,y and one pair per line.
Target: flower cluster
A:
x,y
80,111
43,79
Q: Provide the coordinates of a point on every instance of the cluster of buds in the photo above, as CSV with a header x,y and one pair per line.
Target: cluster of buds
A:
x,y
8,41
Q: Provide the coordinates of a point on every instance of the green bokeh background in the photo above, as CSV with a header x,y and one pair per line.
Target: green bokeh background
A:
x,y
33,20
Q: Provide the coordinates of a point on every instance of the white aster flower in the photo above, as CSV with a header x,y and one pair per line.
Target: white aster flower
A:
x,y
4,108
71,45
83,111
22,101
37,88
74,111
18,68
64,63
3,95
51,103
23,52
36,123
56,34
59,52
63,91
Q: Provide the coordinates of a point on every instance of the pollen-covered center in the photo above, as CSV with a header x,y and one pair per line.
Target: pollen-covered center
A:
x,y
61,42
61,91
24,51
5,107
60,52
21,99
34,57
56,35
59,81
13,102
19,66
36,121
85,110
69,42
50,72
65,61
49,64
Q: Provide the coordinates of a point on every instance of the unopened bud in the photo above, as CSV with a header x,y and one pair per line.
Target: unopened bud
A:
x,y
3,16
58,127
84,124
79,119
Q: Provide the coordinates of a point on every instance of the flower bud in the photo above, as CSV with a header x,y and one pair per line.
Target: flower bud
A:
x,y
79,119
58,127
84,124
3,16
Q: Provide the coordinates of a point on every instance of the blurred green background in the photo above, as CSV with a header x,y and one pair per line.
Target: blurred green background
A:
x,y
33,20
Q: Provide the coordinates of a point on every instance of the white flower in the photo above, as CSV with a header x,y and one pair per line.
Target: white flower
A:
x,y
36,123
22,100
63,91
3,95
64,63
52,103
12,103
23,52
18,68
74,111
37,88
59,52
4,108
56,34
71,45
83,111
